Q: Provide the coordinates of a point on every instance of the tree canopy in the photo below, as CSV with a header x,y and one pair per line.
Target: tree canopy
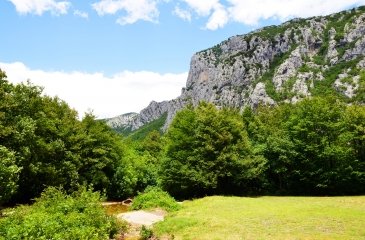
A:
x,y
314,147
43,143
208,151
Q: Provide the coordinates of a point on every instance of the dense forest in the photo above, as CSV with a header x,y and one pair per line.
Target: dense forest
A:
x,y
314,147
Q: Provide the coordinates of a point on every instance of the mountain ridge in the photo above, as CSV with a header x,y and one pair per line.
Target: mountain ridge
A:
x,y
285,63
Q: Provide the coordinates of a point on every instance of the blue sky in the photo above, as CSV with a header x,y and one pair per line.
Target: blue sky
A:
x,y
69,42
115,56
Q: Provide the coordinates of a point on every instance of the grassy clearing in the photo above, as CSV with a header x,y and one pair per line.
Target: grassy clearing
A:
x,y
267,218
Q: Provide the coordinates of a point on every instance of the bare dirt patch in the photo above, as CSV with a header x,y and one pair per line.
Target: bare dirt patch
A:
x,y
142,217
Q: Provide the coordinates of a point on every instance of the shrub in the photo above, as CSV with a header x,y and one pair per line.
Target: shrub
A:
x,y
9,174
154,197
56,215
145,233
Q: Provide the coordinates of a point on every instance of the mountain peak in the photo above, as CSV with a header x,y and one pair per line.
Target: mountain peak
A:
x,y
286,63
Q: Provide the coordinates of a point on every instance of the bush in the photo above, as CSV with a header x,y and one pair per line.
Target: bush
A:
x,y
56,215
145,233
9,174
154,197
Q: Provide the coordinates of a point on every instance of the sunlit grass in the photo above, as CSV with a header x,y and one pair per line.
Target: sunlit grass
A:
x,y
268,218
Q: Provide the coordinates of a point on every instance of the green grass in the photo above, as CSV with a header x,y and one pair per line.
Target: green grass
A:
x,y
267,218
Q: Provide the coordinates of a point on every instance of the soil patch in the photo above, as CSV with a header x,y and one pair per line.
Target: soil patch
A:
x,y
142,217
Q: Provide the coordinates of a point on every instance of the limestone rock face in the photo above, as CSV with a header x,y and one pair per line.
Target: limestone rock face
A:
x,y
124,120
153,111
274,64
347,85
302,84
332,53
288,69
259,95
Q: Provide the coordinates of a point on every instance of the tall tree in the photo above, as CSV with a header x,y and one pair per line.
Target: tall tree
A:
x,y
310,146
44,144
208,152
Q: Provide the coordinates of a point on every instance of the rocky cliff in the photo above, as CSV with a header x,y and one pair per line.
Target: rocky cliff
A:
x,y
298,59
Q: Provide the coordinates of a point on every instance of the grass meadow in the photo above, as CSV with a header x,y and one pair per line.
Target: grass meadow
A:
x,y
267,218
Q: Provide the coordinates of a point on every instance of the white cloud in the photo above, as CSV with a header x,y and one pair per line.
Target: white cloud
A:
x,y
38,7
202,8
218,16
250,12
218,19
183,14
81,14
106,96
135,10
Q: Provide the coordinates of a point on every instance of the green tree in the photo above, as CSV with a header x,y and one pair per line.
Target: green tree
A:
x,y
353,179
208,152
9,174
139,166
100,149
270,138
50,146
314,128
43,137
310,147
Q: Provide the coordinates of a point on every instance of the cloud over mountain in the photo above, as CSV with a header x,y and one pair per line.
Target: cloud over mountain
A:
x,y
216,13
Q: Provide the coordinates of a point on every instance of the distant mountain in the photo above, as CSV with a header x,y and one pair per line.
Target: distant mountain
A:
x,y
123,123
298,59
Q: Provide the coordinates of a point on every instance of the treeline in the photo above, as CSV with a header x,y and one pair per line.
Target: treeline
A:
x,y
43,143
314,147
